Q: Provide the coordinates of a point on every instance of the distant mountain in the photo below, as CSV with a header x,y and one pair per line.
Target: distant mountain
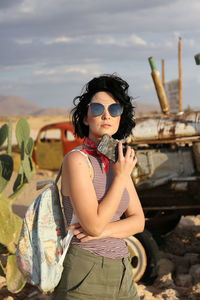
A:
x,y
14,106
17,106
145,108
50,112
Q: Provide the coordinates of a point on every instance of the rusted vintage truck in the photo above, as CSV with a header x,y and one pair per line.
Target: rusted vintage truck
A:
x,y
55,140
167,178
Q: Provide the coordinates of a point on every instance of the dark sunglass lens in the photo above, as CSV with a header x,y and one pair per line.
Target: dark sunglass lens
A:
x,y
115,109
97,109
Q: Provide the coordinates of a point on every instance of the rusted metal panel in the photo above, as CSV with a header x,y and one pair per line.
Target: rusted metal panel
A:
x,y
164,128
196,151
157,167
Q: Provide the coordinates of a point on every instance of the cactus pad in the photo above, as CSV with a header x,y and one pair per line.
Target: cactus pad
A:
x,y
6,169
3,133
15,280
22,132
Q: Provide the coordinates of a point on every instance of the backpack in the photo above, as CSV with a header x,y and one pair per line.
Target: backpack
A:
x,y
42,244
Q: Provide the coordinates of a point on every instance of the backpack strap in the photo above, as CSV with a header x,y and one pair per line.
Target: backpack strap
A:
x,y
58,175
69,236
67,239
41,184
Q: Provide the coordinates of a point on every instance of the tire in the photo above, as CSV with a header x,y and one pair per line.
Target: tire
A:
x,y
138,257
144,256
162,222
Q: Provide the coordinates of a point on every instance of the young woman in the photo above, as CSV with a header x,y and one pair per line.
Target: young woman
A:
x,y
97,265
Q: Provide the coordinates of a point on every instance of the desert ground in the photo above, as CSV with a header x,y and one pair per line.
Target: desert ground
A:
x,y
179,256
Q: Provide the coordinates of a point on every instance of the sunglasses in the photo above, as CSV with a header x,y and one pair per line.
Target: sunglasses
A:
x,y
97,109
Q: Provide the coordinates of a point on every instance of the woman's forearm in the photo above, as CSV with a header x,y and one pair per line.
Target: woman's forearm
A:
x,y
125,227
119,229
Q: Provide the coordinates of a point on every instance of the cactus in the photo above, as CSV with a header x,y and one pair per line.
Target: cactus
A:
x,y
14,279
10,223
6,169
9,149
3,133
22,132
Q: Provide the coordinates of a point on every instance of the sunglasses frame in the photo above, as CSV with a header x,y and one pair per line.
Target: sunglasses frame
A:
x,y
91,103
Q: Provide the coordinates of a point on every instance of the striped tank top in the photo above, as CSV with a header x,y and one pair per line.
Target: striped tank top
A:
x,y
107,247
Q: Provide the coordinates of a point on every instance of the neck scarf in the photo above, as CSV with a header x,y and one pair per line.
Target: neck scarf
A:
x,y
92,149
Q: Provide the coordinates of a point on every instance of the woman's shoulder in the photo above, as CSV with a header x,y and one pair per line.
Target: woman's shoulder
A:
x,y
75,156
76,159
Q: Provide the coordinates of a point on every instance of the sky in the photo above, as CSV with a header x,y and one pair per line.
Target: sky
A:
x,y
51,49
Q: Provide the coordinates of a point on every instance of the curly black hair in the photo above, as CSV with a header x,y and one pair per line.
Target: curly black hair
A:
x,y
118,88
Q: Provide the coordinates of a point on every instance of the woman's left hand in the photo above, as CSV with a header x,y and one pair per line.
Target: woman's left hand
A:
x,y
80,234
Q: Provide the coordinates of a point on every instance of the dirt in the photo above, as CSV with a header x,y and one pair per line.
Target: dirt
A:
x,y
178,264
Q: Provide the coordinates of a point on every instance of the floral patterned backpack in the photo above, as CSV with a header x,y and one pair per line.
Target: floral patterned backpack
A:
x,y
42,245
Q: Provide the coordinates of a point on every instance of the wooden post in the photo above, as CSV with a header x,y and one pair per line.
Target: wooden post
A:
x,y
180,71
163,71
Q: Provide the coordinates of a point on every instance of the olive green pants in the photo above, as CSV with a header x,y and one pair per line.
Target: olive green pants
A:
x,y
88,276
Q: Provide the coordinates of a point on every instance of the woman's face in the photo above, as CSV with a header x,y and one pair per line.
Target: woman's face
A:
x,y
105,123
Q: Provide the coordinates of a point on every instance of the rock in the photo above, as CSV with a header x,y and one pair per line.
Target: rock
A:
x,y
182,265
170,294
143,293
165,266
193,258
2,281
165,281
184,280
195,273
196,292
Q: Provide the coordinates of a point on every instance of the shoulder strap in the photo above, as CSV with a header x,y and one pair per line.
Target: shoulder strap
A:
x,y
88,161
58,175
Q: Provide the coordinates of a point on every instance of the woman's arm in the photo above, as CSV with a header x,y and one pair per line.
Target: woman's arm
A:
x,y
134,221
93,217
132,224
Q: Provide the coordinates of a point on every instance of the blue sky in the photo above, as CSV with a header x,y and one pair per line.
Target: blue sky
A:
x,y
50,49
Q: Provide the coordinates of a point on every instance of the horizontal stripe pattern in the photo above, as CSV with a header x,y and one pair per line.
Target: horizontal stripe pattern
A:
x,y
107,247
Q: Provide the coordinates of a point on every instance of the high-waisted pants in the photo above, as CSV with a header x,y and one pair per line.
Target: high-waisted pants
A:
x,y
92,277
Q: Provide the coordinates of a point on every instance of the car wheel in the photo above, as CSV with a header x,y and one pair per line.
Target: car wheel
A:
x,y
144,256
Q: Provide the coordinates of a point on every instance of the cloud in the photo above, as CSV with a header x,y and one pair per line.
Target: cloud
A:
x,y
121,40
136,40
66,69
24,42
60,40
66,41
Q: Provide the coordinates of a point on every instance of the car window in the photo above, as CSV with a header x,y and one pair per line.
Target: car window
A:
x,y
69,135
50,135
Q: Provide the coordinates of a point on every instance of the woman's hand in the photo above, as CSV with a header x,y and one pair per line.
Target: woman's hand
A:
x,y
80,234
125,163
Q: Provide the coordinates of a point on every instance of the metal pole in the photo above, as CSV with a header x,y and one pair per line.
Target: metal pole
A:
x,y
163,71
180,71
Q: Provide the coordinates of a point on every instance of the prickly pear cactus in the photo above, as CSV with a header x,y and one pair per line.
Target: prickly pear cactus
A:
x,y
10,223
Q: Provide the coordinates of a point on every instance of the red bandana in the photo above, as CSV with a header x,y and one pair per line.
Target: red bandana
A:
x,y
92,149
